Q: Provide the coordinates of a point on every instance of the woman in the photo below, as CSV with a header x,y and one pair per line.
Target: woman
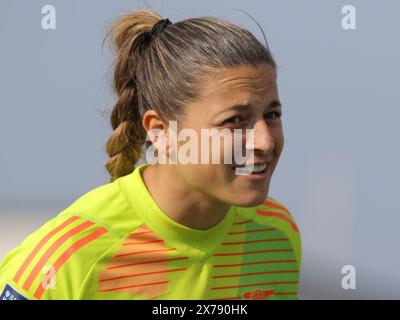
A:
x,y
174,230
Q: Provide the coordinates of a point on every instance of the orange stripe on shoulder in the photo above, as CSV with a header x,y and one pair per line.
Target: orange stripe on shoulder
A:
x,y
270,202
274,204
51,250
40,244
278,215
62,259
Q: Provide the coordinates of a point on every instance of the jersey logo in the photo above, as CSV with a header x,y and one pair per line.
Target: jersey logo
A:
x,y
9,293
258,294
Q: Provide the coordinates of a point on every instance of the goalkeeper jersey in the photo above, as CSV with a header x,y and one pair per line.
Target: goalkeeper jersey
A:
x,y
114,242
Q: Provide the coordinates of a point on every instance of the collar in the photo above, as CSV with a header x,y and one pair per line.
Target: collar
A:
x,y
194,242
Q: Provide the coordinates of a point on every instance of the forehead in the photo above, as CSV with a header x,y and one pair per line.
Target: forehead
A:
x,y
244,82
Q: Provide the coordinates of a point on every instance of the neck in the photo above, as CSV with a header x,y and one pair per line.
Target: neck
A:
x,y
181,203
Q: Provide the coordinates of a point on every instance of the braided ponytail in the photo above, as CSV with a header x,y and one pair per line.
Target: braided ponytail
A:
x,y
124,147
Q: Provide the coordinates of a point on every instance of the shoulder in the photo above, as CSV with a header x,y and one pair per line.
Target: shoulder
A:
x,y
273,210
54,261
108,205
274,213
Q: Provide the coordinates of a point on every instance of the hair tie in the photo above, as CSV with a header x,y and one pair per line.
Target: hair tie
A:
x,y
159,26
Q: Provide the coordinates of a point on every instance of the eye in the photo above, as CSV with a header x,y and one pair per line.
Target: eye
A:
x,y
274,114
232,120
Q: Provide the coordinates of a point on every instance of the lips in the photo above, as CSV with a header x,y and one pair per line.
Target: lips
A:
x,y
253,169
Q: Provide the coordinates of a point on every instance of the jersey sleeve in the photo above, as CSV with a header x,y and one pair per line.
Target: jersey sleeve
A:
x,y
53,262
275,214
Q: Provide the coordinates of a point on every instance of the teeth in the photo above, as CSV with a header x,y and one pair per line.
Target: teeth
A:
x,y
250,169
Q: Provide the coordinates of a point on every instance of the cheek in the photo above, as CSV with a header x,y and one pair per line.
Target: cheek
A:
x,y
200,176
211,179
279,140
232,150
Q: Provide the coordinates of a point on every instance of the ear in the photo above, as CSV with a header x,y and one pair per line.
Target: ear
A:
x,y
157,133
153,125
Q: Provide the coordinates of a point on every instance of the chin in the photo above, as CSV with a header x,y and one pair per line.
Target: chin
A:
x,y
250,200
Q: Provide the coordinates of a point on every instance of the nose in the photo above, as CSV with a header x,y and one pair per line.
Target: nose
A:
x,y
263,141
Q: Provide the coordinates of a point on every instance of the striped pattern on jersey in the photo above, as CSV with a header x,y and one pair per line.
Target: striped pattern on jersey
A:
x,y
272,208
141,266
257,261
52,251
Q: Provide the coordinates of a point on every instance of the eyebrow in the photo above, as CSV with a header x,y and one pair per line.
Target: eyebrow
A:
x,y
243,106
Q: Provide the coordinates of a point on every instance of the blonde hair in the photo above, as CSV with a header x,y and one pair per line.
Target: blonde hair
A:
x,y
164,73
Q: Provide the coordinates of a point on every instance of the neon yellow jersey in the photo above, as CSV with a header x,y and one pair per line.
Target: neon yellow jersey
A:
x,y
114,242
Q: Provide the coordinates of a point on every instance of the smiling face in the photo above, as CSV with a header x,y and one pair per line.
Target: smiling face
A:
x,y
232,99
239,98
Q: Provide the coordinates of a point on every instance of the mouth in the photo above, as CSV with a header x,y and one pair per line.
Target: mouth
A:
x,y
253,169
